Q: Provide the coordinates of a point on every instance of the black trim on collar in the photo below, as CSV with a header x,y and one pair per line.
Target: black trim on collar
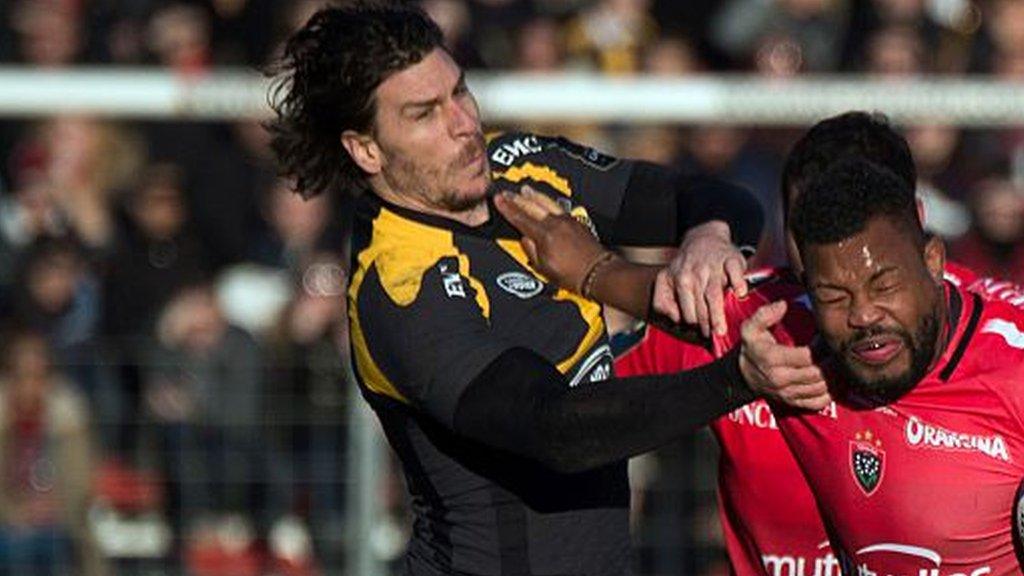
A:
x,y
495,227
965,338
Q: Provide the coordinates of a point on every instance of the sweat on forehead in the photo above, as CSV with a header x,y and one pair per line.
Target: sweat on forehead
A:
x,y
840,202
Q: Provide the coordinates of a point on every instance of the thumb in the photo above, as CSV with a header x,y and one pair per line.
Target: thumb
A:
x,y
756,328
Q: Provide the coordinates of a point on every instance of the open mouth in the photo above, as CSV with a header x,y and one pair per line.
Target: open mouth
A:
x,y
877,350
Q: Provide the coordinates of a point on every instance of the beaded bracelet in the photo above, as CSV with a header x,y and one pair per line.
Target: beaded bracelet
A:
x,y
600,262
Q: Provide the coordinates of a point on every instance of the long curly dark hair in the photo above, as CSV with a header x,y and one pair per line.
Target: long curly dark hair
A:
x,y
325,81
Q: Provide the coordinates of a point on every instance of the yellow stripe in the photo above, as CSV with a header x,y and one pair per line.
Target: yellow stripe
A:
x,y
544,174
589,310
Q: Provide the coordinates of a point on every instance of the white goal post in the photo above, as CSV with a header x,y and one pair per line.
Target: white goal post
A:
x,y
226,94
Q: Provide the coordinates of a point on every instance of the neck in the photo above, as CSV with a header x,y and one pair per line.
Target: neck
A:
x,y
474,215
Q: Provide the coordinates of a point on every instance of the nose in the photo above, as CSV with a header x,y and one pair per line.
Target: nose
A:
x,y
864,313
463,119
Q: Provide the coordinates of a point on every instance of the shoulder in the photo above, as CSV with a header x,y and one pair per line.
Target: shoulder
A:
x,y
999,338
508,149
398,252
959,275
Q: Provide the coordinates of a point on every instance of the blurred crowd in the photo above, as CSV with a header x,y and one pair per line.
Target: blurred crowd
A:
x,y
173,356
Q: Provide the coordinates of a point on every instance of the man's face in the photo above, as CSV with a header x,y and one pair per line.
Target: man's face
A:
x,y
428,131
879,304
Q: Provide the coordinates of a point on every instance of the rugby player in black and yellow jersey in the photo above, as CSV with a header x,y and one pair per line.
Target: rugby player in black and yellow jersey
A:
x,y
494,387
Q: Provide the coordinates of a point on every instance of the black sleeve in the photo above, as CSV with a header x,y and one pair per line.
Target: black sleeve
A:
x,y
520,403
660,205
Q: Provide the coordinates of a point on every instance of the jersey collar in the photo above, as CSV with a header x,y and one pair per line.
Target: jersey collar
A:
x,y
495,227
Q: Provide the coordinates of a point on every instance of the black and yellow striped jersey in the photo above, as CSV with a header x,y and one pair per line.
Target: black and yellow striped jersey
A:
x,y
432,303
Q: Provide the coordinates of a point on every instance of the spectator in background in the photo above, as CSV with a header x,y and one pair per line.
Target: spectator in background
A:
x,y
305,406
455,20
45,466
87,162
179,36
994,246
496,24
58,295
156,253
813,32
671,56
895,52
26,214
935,148
69,169
1006,27
203,397
612,35
297,228
48,33
242,31
539,46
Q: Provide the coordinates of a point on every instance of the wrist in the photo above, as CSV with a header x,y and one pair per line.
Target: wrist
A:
x,y
716,228
586,285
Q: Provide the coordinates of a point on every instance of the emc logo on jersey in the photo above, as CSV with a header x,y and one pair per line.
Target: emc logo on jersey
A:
x,y
518,284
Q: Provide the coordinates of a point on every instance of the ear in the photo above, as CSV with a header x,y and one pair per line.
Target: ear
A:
x,y
935,257
363,150
920,209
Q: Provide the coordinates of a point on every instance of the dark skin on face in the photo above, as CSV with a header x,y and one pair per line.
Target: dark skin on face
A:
x,y
880,304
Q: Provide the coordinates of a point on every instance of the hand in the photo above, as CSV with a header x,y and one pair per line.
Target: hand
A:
x,y
783,373
558,246
691,289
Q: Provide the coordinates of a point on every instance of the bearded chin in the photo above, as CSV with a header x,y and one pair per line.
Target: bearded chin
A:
x,y
888,389
455,202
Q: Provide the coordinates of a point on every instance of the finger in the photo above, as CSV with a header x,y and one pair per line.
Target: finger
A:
x,y
664,300
543,200
687,301
531,207
714,296
771,354
735,270
795,381
530,247
704,281
809,390
765,317
516,216
815,404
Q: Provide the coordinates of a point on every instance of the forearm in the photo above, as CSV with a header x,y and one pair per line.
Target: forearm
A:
x,y
710,200
523,405
660,205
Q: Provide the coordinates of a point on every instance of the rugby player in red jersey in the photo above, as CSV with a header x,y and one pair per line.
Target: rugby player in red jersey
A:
x,y
916,469
782,534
